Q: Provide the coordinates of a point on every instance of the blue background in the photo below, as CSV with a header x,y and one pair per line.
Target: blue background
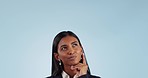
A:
x,y
114,34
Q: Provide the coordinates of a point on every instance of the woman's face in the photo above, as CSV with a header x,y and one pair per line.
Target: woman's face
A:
x,y
69,51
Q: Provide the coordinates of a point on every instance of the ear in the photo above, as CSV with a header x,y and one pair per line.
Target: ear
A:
x,y
56,56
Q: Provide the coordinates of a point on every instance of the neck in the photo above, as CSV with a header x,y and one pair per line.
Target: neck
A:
x,y
68,70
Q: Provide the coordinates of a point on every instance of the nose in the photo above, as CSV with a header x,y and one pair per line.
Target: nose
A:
x,y
71,51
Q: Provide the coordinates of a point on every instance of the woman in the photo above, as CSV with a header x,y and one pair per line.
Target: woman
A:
x,y
68,59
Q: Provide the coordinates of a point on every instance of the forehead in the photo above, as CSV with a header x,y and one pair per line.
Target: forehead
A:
x,y
67,40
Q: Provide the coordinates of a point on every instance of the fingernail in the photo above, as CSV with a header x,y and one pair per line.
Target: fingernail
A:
x,y
72,67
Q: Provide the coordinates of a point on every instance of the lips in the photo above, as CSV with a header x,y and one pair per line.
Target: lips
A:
x,y
72,57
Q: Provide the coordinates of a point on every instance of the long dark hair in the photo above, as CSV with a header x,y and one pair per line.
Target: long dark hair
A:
x,y
56,68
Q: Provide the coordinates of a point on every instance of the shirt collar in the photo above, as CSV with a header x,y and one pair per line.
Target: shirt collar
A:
x,y
65,75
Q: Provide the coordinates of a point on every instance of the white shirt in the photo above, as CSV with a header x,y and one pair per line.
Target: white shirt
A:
x,y
65,75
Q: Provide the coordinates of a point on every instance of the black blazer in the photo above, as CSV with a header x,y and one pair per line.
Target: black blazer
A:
x,y
83,76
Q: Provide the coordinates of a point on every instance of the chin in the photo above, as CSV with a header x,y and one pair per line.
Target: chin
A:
x,y
74,63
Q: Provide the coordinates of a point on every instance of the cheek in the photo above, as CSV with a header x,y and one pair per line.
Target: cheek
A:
x,y
62,57
80,51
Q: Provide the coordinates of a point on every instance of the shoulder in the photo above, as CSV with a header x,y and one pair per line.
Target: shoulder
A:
x,y
59,76
83,76
50,77
89,76
93,76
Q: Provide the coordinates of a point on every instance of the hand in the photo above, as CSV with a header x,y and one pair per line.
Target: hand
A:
x,y
81,68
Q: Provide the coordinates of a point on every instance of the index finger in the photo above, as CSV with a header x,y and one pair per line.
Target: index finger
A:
x,y
84,60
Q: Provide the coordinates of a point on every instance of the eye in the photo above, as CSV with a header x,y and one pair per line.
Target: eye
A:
x,y
63,48
75,44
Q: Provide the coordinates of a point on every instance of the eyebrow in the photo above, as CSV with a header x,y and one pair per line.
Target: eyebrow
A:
x,y
64,45
74,42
